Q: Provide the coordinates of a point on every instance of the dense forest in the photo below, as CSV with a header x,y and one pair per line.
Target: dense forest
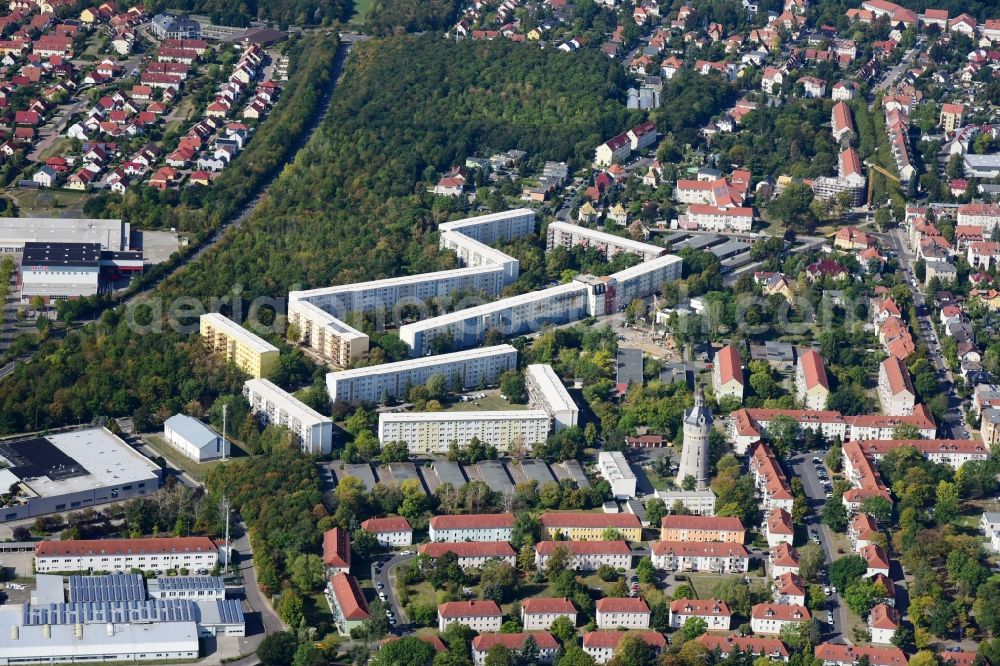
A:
x,y
412,15
351,206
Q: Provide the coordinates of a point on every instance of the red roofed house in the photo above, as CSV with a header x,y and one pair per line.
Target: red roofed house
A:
x,y
843,125
613,151
812,386
784,559
584,526
883,621
789,588
390,532
895,390
471,554
479,616
836,654
877,560
702,529
628,612
601,645
825,268
347,602
544,641
716,557
472,527
852,238
862,531
337,550
779,528
771,618
123,555
164,178
757,646
540,613
727,374
714,612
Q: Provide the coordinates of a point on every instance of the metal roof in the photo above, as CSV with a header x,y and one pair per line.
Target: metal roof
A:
x,y
189,583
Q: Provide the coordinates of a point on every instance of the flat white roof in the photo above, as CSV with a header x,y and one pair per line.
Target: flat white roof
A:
x,y
646,267
295,407
496,306
483,219
616,466
234,330
329,320
108,460
628,243
112,234
424,361
94,640
309,294
431,417
551,387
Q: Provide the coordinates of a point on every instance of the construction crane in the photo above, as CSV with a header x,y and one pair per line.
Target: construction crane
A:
x,y
871,181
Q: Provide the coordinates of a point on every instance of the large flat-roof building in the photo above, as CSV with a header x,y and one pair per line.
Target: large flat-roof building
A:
x,y
312,431
324,333
251,353
614,468
432,432
547,392
511,316
72,470
59,271
123,555
568,235
471,368
193,438
112,234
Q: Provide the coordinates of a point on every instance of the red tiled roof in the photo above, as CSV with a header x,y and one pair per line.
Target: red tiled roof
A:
x,y
848,654
784,555
791,584
884,617
337,548
611,639
756,645
723,523
350,598
151,546
779,521
713,607
875,557
897,375
813,370
622,605
583,519
383,525
782,612
473,521
730,364
452,609
543,639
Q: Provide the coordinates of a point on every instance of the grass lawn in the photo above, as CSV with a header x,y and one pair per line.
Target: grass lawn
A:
x,y
58,147
658,482
361,10
196,470
704,583
48,203
492,402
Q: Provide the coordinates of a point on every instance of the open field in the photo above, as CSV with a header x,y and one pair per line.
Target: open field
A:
x,y
179,461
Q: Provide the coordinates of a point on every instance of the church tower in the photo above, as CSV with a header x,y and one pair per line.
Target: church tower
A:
x,y
694,453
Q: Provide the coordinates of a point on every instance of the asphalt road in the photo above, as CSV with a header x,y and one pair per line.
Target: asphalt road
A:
x,y
387,580
954,426
803,467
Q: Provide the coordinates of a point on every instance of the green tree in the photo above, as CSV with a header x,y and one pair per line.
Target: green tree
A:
x,y
645,571
277,649
633,651
499,581
793,208
575,656
878,508
946,507
564,631
693,628
307,572
655,510
498,655
406,650
861,596
835,515
846,570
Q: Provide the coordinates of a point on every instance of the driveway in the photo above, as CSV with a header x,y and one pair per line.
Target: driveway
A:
x,y
803,467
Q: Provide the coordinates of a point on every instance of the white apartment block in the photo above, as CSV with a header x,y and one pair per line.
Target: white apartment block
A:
x,y
990,526
601,645
639,281
480,616
627,612
614,468
565,234
432,432
539,613
325,334
472,527
714,612
770,618
707,217
123,555
547,392
312,431
390,532
587,555
511,316
715,557
895,390
474,254
698,502
471,554
467,369
503,226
